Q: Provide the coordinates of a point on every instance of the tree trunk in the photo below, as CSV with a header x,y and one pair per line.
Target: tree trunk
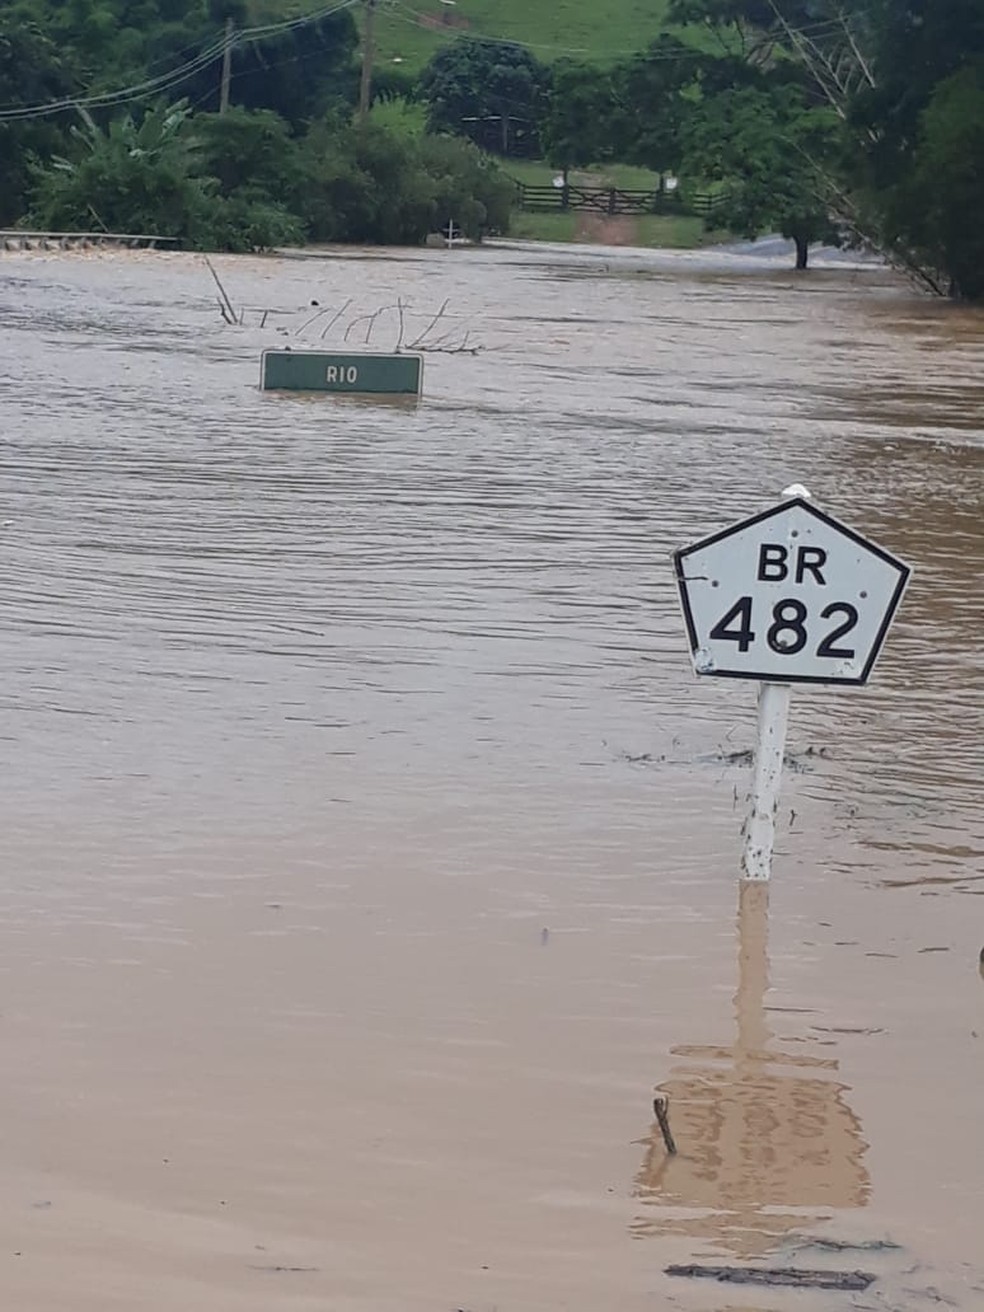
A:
x,y
802,252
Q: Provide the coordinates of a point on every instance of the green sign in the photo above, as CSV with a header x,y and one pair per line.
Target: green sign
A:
x,y
319,371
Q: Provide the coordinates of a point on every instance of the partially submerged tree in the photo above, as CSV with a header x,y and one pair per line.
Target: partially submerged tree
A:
x,y
764,147
902,76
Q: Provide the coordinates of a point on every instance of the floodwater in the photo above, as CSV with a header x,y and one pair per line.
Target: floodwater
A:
x,y
369,850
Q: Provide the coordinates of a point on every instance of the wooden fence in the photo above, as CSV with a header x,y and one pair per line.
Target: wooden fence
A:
x,y
617,200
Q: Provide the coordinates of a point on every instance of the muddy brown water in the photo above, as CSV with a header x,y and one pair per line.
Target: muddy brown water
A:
x,y
368,849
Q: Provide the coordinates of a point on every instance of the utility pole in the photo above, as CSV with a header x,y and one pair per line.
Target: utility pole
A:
x,y
368,55
226,67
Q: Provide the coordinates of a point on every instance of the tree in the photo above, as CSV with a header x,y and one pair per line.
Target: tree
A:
x,y
32,71
255,166
763,144
470,84
576,128
135,176
468,187
149,175
248,150
901,75
378,185
935,208
651,104
300,74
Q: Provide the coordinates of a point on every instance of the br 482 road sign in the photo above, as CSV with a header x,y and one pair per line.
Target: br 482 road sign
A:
x,y
789,596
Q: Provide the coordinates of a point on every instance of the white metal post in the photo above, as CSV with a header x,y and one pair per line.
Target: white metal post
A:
x,y
760,827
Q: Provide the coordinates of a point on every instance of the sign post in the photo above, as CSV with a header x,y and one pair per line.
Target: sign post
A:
x,y
760,826
788,596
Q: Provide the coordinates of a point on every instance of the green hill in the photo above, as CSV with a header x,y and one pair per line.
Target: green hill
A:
x,y
409,31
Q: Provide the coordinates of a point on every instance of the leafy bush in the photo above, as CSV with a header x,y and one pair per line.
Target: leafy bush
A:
x,y
240,181
132,177
469,188
373,185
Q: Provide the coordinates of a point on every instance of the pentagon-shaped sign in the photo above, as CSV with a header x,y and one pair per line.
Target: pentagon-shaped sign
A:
x,y
791,596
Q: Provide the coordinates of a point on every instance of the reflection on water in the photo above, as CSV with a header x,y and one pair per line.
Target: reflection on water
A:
x,y
767,1142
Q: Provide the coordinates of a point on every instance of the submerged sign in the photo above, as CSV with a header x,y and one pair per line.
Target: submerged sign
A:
x,y
321,371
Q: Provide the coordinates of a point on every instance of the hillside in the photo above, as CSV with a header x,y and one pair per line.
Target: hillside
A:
x,y
409,31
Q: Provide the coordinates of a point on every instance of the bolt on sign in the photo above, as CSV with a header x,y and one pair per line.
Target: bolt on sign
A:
x,y
790,596
359,374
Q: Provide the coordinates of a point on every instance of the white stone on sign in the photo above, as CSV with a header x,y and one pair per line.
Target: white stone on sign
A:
x,y
791,596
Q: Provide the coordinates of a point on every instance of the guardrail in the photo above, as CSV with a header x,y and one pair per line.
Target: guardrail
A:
x,y
23,239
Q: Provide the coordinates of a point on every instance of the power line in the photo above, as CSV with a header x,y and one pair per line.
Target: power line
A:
x,y
418,19
165,81
174,77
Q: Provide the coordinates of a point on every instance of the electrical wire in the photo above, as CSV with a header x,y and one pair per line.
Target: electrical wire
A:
x,y
174,77
418,19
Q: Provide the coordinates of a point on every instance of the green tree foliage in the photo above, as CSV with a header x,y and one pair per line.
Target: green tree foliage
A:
x,y
108,44
301,73
136,176
576,128
471,84
467,187
903,76
935,206
240,181
248,151
149,175
651,107
633,111
111,42
918,127
765,145
32,71
254,176
378,185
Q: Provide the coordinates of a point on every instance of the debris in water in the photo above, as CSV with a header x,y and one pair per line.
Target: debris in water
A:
x,y
284,1269
787,1275
661,1106
848,1245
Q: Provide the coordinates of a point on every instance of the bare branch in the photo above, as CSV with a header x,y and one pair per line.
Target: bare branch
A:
x,y
433,323
225,298
307,322
335,318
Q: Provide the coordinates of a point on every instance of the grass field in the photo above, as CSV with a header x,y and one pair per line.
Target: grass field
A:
x,y
668,232
535,173
409,31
